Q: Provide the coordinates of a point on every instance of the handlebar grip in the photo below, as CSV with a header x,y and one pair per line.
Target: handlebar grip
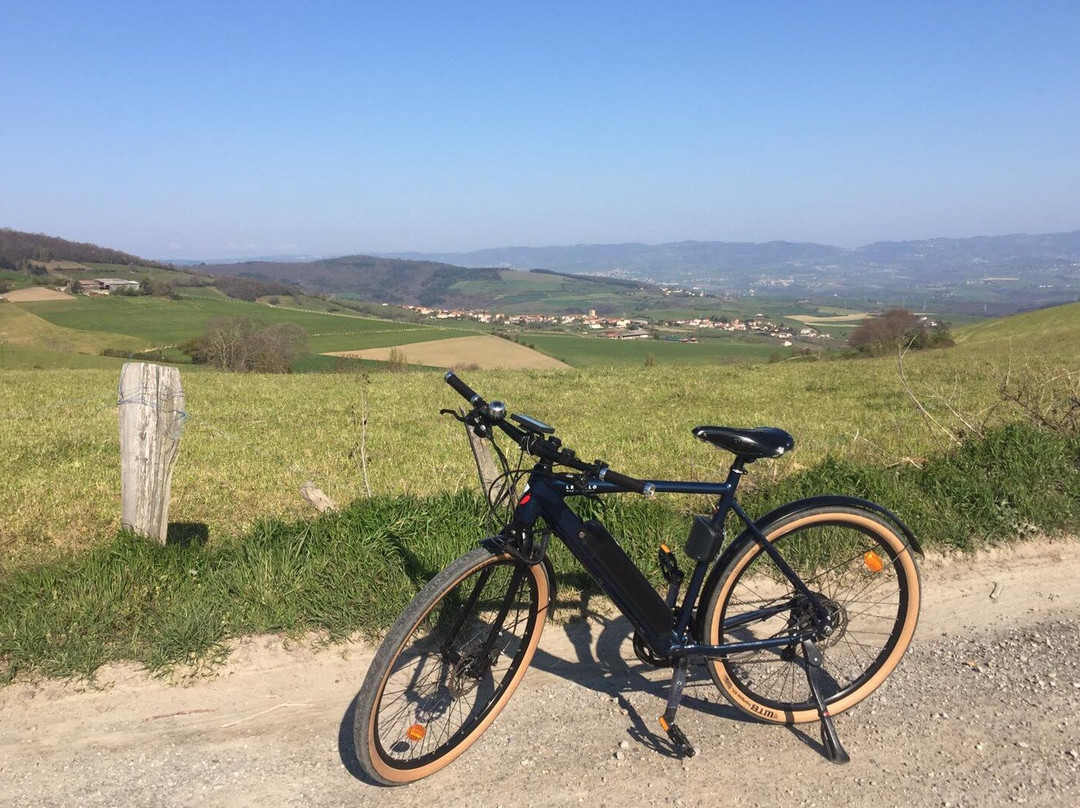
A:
x,y
463,389
629,483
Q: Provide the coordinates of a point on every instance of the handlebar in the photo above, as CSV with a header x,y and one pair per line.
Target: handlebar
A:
x,y
464,390
545,448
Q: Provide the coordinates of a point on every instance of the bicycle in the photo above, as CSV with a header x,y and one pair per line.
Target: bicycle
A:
x,y
800,617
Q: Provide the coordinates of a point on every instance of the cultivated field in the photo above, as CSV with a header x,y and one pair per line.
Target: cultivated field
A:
x,y
90,324
67,331
481,353
34,294
600,353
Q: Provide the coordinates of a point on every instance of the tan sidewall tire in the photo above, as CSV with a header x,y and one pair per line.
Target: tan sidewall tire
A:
x,y
745,702
395,776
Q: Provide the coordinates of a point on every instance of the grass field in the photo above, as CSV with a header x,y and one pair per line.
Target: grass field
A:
x,y
74,594
251,441
152,322
20,326
88,325
598,352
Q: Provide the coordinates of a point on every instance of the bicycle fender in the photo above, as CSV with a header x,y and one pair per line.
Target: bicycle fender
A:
x,y
762,524
830,500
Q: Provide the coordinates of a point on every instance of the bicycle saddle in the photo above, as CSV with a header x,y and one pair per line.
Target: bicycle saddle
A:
x,y
752,444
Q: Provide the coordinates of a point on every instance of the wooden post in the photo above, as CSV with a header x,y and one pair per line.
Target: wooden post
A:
x,y
485,467
151,414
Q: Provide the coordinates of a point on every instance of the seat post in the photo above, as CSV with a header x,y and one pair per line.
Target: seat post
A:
x,y
723,504
737,470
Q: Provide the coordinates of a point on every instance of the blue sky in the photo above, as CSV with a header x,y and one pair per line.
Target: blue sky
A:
x,y
210,129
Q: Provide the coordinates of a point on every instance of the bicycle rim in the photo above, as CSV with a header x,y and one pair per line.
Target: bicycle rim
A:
x,y
457,665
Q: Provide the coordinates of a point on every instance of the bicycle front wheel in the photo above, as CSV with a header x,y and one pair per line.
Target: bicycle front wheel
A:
x,y
449,665
859,567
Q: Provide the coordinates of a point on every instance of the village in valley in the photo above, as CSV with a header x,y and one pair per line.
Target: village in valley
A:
x,y
628,327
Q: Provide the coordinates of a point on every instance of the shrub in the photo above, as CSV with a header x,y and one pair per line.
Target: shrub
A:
x,y
239,345
897,329
396,361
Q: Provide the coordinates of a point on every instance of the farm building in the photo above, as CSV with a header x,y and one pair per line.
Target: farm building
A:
x,y
116,284
104,286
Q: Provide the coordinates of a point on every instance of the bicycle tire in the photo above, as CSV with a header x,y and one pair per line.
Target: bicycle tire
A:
x,y
441,674
866,572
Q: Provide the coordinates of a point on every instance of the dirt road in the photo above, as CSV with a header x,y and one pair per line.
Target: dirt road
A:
x,y
983,711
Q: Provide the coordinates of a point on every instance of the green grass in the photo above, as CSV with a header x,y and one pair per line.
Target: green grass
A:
x,y
251,441
1048,328
599,352
352,572
156,321
73,595
19,326
16,357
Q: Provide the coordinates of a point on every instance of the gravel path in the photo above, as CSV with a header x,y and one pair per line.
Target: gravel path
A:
x,y
983,711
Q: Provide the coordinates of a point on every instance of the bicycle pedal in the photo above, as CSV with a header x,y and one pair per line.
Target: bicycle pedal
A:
x,y
678,739
669,565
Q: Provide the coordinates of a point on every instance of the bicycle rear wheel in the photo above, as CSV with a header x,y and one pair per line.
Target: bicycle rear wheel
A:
x,y
862,570
449,665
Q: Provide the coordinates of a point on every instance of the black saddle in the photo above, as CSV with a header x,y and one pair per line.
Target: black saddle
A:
x,y
749,444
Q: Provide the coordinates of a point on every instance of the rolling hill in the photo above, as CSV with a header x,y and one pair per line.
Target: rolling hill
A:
x,y
984,274
429,283
19,249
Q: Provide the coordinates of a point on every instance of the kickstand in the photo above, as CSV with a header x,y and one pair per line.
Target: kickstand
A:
x,y
667,720
834,751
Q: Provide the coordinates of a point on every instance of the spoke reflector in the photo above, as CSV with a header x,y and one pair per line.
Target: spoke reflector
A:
x,y
416,732
873,561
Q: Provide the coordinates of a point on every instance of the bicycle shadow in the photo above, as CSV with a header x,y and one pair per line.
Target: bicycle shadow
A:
x,y
604,661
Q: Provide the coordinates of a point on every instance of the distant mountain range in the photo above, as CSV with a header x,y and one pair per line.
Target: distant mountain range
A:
x,y
985,274
991,274
677,260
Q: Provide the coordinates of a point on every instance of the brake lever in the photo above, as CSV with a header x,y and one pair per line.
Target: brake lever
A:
x,y
453,414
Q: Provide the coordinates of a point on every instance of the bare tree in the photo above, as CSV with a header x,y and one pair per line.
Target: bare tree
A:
x,y
240,345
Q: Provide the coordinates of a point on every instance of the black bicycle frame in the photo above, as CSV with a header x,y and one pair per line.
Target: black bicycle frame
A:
x,y
620,578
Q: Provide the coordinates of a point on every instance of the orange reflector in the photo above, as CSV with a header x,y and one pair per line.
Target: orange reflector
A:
x,y
873,561
415,733
665,548
663,723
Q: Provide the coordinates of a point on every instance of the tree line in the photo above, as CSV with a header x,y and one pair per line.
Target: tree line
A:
x,y
23,251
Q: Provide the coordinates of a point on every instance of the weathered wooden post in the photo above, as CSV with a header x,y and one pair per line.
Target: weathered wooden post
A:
x,y
151,414
486,467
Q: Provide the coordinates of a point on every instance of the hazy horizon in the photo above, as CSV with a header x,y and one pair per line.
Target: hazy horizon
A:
x,y
210,131
320,254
